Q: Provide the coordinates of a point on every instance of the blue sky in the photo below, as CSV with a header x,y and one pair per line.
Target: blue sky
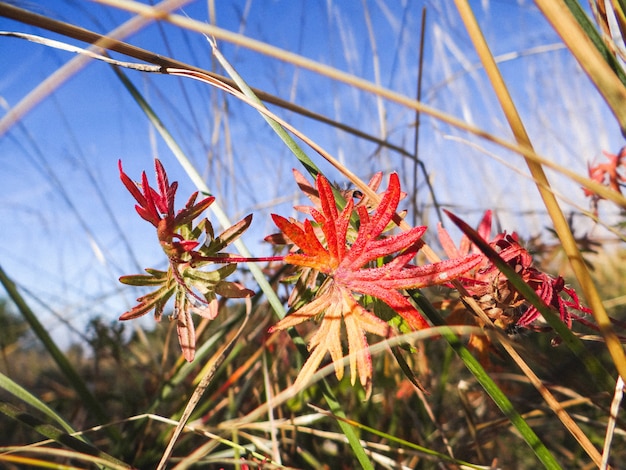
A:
x,y
60,198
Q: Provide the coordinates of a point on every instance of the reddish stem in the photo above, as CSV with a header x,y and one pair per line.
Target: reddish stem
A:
x,y
240,259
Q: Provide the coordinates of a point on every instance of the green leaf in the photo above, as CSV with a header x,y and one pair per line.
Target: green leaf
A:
x,y
18,391
143,279
57,435
227,237
209,278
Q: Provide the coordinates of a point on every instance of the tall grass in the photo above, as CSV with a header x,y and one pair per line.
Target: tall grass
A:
x,y
504,88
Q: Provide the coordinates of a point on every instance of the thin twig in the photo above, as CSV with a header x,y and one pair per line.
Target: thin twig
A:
x,y
200,389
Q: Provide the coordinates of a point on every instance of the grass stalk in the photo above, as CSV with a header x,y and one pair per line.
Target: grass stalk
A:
x,y
554,211
75,380
362,84
57,435
63,74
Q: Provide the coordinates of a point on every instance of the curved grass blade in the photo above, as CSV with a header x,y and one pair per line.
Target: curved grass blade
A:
x,y
57,435
75,380
18,391
161,62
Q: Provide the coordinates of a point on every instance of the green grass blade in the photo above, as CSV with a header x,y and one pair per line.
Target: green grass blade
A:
x,y
329,396
57,435
75,380
601,376
280,131
483,378
346,429
18,391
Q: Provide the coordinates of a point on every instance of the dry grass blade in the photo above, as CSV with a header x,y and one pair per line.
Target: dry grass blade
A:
x,y
44,455
610,427
202,431
162,62
578,42
361,84
63,74
201,388
558,219
107,42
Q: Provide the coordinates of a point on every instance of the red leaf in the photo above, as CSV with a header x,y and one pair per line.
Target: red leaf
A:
x,y
348,271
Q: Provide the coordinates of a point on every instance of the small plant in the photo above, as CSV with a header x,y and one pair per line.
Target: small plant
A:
x,y
495,293
610,174
189,246
342,265
353,265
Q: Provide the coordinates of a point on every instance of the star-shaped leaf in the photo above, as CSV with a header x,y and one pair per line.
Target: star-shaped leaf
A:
x,y
348,273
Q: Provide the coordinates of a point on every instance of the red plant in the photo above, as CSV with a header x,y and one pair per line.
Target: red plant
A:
x,y
157,207
607,174
497,295
369,266
194,290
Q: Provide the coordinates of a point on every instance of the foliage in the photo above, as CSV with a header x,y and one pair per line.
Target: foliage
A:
x,y
343,266
476,378
179,239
